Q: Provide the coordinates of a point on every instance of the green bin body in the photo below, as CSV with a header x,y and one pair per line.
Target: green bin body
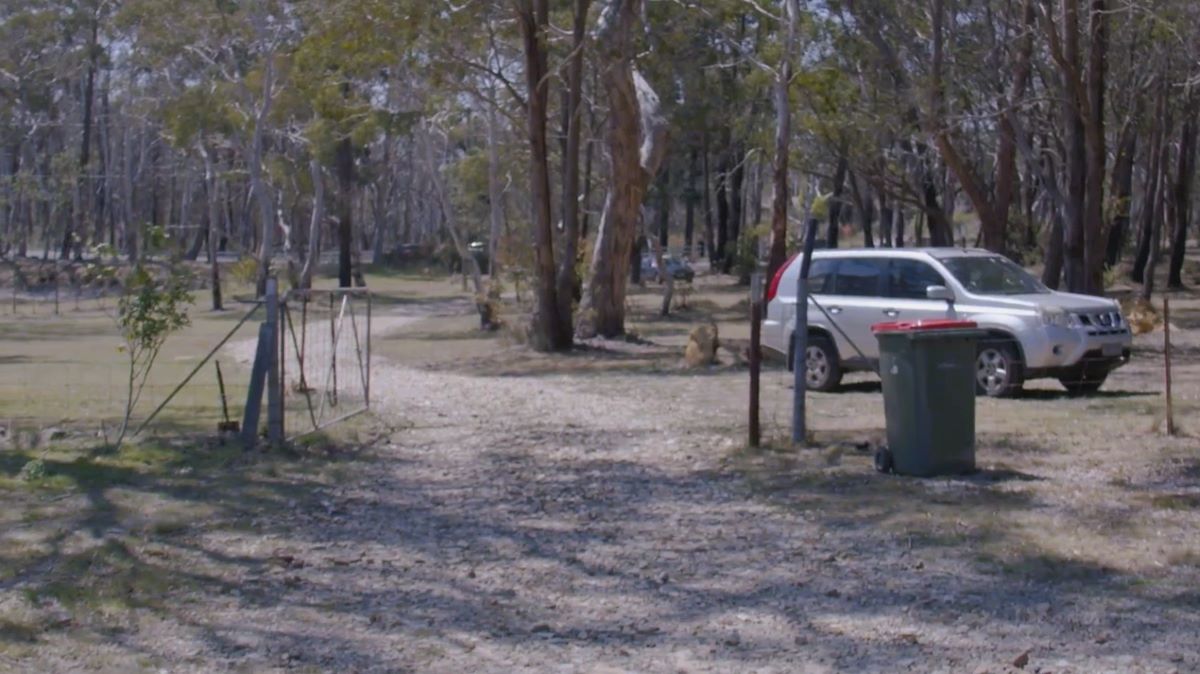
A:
x,y
928,372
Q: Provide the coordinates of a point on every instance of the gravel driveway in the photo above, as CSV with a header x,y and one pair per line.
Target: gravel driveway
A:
x,y
560,523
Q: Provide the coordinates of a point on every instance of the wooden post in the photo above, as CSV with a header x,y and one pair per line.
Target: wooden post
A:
x,y
756,299
333,393
1167,364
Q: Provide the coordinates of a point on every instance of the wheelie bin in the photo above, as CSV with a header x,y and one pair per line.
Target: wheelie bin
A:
x,y
928,373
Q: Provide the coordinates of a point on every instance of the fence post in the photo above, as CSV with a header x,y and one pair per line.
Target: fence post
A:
x,y
367,392
274,389
1167,364
258,376
756,298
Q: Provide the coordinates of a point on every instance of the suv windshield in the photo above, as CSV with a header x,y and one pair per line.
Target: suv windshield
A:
x,y
993,275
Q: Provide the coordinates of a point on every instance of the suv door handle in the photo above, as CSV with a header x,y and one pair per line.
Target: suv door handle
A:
x,y
891,313
835,310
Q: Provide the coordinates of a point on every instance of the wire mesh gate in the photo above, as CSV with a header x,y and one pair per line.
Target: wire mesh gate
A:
x,y
325,358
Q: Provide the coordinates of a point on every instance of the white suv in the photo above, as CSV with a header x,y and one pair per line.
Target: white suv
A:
x,y
1034,332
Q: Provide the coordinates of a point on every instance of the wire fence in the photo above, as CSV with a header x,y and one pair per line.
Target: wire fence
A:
x,y
68,371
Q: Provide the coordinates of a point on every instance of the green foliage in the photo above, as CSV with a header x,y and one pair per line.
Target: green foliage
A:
x,y
198,113
820,206
245,270
150,310
147,314
32,471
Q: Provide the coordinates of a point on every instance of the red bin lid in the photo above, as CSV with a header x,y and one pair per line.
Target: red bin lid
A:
x,y
923,325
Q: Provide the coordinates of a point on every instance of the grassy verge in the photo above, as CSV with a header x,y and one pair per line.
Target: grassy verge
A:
x,y
93,540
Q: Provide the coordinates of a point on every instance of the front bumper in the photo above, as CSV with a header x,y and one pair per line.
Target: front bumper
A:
x,y
1093,367
1060,351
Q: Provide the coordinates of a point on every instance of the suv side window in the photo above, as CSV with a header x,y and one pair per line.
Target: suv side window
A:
x,y
820,277
909,279
860,277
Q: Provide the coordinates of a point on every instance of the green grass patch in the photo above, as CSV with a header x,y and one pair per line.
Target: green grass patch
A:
x,y
1183,501
107,577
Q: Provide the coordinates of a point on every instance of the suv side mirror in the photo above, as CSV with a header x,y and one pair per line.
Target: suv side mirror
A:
x,y
940,293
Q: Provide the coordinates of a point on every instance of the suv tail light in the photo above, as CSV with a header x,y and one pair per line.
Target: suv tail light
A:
x,y
773,289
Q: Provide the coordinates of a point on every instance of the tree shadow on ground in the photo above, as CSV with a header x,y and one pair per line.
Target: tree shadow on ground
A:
x,y
837,543
113,537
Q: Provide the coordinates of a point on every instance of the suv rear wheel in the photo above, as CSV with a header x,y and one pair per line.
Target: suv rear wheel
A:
x,y
998,369
823,370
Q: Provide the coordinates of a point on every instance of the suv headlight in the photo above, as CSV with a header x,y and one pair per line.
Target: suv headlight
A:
x,y
1059,317
1056,316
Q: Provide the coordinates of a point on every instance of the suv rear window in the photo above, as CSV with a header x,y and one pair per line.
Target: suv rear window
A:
x,y
859,277
820,276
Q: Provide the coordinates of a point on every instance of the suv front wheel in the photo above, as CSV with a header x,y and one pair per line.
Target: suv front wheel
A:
x,y
998,369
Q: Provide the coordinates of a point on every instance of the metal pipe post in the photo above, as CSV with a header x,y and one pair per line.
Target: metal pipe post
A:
x,y
274,389
800,340
756,298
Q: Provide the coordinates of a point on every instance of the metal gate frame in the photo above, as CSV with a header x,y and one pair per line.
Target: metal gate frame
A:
x,y
292,345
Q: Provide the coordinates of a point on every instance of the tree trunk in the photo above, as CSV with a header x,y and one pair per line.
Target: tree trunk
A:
x,y
1154,183
935,216
885,220
266,209
783,137
1181,192
1157,219
213,199
864,208
344,164
706,195
664,208
1096,152
589,157
495,196
637,142
689,206
835,201
551,331
1074,230
736,206
1122,189
567,279
313,253
718,260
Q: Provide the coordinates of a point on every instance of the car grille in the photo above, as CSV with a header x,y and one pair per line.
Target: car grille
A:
x,y
1103,323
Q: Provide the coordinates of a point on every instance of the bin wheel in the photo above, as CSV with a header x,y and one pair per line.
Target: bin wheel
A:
x,y
883,460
